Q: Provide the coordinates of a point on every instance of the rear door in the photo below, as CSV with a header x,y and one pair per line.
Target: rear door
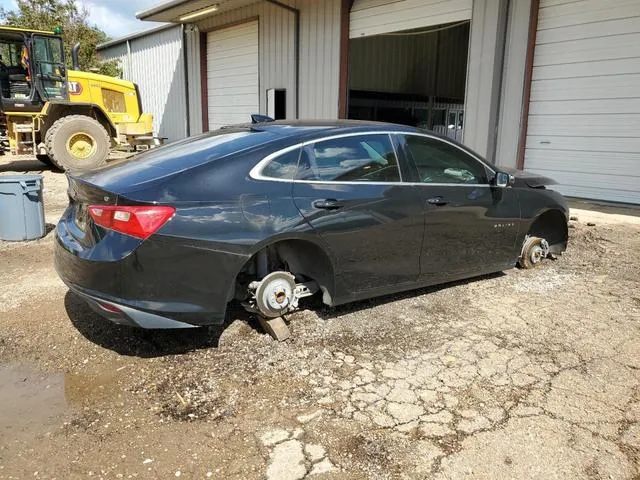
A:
x,y
349,189
470,226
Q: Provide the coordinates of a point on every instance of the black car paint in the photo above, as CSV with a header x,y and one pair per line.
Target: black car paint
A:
x,y
385,237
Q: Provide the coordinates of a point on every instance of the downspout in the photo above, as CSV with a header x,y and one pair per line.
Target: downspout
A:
x,y
343,81
492,145
528,76
185,63
296,47
128,59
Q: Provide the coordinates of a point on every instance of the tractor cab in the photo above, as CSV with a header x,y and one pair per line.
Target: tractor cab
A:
x,y
32,69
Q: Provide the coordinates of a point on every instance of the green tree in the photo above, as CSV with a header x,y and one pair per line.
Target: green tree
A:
x,y
66,14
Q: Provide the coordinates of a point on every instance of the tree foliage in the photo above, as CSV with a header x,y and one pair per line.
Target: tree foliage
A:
x,y
73,19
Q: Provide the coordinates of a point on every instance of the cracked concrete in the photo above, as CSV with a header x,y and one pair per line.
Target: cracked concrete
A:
x,y
291,458
523,375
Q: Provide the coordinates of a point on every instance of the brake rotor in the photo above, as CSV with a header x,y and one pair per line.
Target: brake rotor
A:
x,y
534,250
275,294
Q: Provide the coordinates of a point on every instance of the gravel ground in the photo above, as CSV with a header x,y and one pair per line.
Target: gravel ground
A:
x,y
525,374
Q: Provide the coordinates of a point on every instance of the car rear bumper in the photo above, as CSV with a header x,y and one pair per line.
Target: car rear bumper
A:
x,y
161,284
122,314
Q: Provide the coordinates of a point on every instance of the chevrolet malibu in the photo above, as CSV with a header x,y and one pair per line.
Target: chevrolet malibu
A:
x,y
270,213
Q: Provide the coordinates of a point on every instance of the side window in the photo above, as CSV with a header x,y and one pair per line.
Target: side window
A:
x,y
283,166
439,162
364,158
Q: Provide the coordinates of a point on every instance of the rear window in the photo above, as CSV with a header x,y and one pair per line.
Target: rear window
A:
x,y
216,144
181,155
282,167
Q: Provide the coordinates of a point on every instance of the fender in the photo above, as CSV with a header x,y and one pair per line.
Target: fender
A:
x,y
53,106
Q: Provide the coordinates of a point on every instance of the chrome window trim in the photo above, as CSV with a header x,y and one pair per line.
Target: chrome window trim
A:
x,y
256,172
447,141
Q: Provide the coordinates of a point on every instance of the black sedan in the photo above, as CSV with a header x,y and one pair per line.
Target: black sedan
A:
x,y
269,213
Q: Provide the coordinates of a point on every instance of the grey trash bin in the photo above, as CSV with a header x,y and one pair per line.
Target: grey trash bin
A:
x,y
21,209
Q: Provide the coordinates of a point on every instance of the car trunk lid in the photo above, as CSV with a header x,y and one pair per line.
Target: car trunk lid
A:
x,y
81,195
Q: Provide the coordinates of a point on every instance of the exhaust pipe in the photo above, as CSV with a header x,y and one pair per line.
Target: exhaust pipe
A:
x,y
75,63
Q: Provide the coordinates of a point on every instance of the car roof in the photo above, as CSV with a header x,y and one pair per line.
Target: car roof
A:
x,y
297,127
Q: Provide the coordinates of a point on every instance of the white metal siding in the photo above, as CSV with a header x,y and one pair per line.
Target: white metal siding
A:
x,y
276,45
319,58
319,52
232,74
373,17
584,117
155,63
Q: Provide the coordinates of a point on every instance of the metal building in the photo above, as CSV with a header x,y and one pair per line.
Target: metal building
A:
x,y
154,60
545,85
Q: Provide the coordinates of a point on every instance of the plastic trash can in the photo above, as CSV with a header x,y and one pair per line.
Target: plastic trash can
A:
x,y
21,208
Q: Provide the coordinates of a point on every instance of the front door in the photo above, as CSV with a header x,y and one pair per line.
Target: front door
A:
x,y
349,190
470,226
48,69
16,79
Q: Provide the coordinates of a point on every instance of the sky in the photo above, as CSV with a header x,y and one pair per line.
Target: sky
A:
x,y
116,17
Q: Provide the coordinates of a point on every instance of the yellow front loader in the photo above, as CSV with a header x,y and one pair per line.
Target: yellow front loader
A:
x,y
69,118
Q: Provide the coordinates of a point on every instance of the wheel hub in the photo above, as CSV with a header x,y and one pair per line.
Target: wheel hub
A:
x,y
81,145
536,254
537,249
275,294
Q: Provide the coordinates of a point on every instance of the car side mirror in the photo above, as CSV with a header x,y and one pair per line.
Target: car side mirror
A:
x,y
503,179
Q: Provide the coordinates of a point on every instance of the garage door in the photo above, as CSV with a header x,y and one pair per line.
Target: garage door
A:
x,y
373,17
232,74
584,117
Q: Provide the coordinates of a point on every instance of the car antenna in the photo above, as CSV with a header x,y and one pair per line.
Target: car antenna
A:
x,y
257,118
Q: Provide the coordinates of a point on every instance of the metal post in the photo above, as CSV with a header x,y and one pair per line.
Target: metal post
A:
x,y
296,47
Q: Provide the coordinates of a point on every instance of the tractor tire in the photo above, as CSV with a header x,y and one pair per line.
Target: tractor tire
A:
x,y
77,143
46,160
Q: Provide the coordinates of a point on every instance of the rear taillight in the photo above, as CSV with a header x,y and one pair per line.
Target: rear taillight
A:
x,y
138,221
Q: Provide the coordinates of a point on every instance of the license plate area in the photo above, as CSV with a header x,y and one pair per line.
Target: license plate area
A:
x,y
80,218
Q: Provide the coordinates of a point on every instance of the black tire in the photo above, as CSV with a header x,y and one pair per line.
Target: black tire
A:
x,y
77,130
46,160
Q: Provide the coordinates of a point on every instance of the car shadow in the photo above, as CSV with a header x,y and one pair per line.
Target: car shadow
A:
x,y
24,166
138,342
326,313
27,165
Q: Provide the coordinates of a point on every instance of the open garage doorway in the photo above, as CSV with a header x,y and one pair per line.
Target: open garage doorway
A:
x,y
413,77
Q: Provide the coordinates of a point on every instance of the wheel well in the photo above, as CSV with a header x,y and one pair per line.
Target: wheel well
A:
x,y
300,257
552,226
57,111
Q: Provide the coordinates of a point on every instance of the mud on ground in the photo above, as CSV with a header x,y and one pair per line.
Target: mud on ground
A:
x,y
526,374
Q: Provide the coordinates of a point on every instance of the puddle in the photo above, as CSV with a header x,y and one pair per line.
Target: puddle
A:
x,y
86,388
32,400
29,398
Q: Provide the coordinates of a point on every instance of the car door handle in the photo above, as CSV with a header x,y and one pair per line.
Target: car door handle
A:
x,y
328,204
436,201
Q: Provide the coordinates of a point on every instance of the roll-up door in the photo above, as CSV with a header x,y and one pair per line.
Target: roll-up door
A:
x,y
373,17
584,112
232,74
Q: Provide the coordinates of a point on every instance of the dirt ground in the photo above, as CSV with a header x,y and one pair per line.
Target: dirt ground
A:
x,y
523,375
